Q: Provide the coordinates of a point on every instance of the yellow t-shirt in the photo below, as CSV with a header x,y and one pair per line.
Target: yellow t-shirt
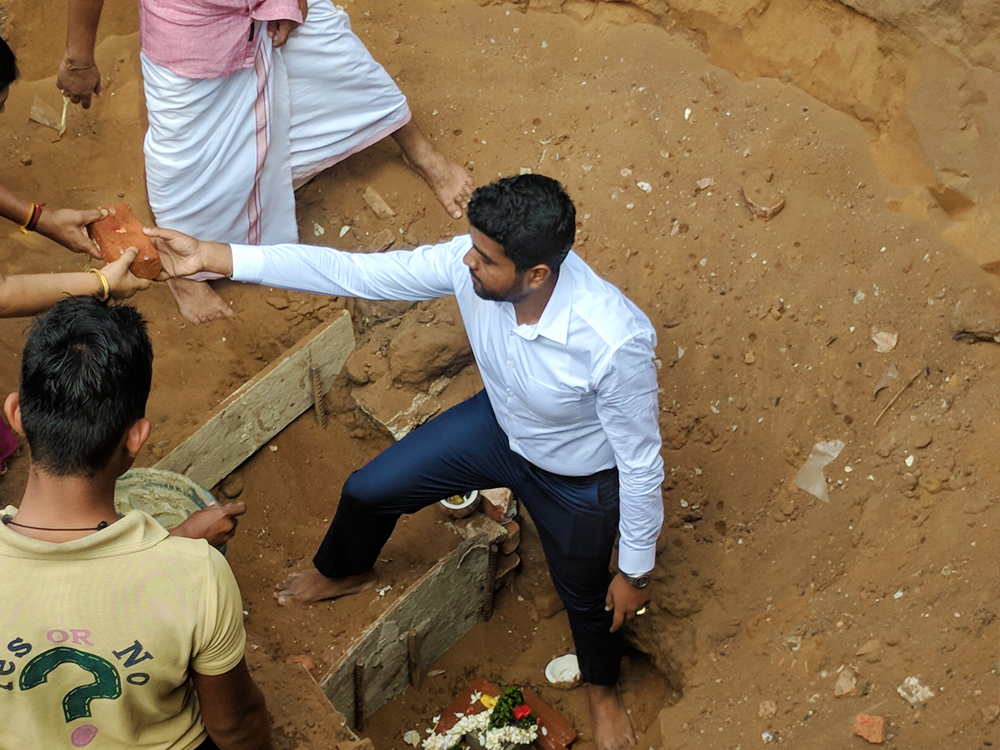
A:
x,y
98,637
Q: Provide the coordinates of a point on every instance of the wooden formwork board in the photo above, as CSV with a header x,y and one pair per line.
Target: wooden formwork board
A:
x,y
442,607
263,406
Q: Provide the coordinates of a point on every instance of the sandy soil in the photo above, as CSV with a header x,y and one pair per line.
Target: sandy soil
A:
x,y
883,144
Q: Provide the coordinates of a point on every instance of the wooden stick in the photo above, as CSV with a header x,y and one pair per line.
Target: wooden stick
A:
x,y
359,695
893,400
413,657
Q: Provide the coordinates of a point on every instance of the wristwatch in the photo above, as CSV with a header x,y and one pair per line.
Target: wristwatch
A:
x,y
640,581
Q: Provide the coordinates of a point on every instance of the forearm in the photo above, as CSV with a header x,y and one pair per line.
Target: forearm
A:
x,y
81,31
14,208
639,527
29,294
251,732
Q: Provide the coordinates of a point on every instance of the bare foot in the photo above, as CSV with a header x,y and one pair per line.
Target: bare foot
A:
x,y
309,586
197,301
450,183
612,728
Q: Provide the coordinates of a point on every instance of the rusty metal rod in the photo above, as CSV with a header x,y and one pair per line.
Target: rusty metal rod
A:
x,y
318,396
359,695
486,611
413,657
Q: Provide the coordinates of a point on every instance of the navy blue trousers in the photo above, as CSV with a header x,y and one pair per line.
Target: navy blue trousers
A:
x,y
464,449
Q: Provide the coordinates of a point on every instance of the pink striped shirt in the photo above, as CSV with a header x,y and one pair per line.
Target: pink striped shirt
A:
x,y
206,38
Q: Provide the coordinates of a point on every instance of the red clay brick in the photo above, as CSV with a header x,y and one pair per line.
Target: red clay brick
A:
x,y
513,540
870,728
120,230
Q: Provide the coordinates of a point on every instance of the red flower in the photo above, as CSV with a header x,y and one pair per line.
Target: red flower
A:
x,y
521,711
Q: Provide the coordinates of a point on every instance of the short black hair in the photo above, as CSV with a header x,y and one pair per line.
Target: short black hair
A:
x,y
8,65
85,376
530,215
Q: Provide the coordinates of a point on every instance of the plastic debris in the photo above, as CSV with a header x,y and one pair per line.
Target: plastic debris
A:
x,y
810,477
890,375
913,692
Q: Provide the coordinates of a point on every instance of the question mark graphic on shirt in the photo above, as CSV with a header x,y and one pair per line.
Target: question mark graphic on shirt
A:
x,y
76,703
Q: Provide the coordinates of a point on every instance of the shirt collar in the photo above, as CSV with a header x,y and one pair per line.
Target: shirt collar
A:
x,y
554,322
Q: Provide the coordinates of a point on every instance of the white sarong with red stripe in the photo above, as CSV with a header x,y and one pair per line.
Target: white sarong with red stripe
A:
x,y
224,154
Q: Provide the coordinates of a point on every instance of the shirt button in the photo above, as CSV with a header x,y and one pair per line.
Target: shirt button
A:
x,y
510,364
510,392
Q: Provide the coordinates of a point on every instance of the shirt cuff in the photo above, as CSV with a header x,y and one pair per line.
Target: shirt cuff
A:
x,y
248,263
278,10
636,562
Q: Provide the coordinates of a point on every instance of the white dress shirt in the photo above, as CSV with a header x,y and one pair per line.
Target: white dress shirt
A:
x,y
575,393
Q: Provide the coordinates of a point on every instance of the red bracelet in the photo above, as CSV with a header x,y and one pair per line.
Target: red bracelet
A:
x,y
32,223
35,216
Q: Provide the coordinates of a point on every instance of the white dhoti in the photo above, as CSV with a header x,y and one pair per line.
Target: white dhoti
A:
x,y
223,154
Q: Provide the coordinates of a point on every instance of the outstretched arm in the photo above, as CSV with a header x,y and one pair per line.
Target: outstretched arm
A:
x,y
63,225
78,77
29,294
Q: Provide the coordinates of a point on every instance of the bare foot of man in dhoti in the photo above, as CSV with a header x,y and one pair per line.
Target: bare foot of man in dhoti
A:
x,y
197,301
309,586
612,728
450,183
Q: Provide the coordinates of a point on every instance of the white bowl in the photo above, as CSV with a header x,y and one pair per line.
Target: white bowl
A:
x,y
460,506
564,672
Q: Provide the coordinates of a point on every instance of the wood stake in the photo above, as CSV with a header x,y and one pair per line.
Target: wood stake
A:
x,y
413,657
893,400
317,387
359,695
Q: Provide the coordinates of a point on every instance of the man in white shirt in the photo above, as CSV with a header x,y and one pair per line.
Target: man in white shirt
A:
x,y
567,420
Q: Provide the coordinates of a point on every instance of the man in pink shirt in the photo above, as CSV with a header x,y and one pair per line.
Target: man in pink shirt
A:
x,y
248,100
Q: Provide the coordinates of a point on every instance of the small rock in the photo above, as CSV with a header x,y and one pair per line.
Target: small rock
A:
x,y
847,684
869,648
976,316
870,728
767,709
232,486
305,660
921,437
990,713
749,358
276,301
26,160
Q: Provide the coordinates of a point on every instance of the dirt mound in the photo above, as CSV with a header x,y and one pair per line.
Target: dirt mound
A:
x,y
877,127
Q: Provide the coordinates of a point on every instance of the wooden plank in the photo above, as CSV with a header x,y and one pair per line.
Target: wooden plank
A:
x,y
263,406
442,607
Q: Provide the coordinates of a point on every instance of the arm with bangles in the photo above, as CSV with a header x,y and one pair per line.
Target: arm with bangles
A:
x,y
66,226
28,294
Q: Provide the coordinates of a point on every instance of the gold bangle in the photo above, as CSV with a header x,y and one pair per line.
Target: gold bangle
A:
x,y
31,215
105,286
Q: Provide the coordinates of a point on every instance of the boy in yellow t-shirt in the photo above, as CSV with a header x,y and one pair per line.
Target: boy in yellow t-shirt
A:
x,y
112,631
